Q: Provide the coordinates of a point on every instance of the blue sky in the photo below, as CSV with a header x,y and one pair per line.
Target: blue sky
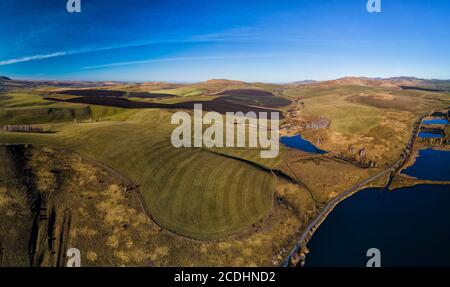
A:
x,y
188,41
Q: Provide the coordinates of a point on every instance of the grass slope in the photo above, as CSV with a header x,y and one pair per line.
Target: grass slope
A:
x,y
191,192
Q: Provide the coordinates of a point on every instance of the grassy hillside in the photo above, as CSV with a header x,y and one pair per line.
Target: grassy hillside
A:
x,y
225,194
191,192
67,201
31,108
374,118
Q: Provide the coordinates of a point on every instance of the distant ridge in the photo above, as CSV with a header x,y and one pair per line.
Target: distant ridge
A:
x,y
304,82
223,81
411,83
214,86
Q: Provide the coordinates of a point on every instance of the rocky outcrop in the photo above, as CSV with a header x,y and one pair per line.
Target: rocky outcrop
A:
x,y
321,123
362,154
358,157
319,141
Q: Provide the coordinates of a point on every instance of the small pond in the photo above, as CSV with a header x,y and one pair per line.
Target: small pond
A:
x,y
299,143
436,121
428,135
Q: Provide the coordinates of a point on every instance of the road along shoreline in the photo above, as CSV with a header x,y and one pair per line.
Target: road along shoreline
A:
x,y
297,255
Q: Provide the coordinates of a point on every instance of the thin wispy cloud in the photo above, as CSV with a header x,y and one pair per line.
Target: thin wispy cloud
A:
x,y
181,59
232,35
32,58
88,49
92,49
228,36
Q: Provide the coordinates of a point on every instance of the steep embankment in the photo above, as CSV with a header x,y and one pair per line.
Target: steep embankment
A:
x,y
16,216
52,200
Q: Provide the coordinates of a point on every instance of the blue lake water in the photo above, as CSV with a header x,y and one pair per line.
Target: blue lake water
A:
x,y
431,165
436,122
298,142
410,226
430,135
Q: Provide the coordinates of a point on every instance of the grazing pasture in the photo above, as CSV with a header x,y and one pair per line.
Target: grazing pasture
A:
x,y
373,119
183,91
192,192
248,204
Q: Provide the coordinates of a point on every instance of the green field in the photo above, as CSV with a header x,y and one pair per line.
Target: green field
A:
x,y
183,91
347,118
211,193
192,192
235,204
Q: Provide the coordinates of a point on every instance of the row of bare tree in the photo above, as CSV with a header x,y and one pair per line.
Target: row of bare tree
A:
x,y
23,129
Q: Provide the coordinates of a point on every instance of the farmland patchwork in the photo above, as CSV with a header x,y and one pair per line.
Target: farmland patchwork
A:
x,y
221,135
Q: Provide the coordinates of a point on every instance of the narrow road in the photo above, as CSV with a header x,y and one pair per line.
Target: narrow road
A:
x,y
330,205
325,211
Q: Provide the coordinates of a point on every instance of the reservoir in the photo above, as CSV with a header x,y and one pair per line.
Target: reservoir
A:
x,y
430,135
437,121
430,165
409,226
299,143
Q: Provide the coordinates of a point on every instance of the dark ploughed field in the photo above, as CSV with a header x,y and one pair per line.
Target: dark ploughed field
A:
x,y
261,101
423,89
218,105
114,94
254,97
93,93
144,95
246,92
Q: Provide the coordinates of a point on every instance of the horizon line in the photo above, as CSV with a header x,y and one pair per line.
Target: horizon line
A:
x,y
220,79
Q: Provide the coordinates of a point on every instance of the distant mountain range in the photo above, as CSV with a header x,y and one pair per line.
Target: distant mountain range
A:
x,y
304,82
407,83
216,85
7,83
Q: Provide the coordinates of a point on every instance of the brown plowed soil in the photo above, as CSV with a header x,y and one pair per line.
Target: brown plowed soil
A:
x,y
218,105
246,92
149,95
93,93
